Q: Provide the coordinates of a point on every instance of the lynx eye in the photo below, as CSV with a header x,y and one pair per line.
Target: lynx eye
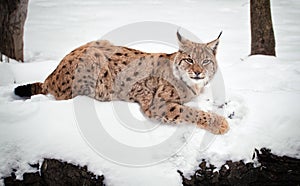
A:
x,y
206,62
189,61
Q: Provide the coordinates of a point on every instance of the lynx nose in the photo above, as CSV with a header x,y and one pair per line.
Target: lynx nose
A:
x,y
197,73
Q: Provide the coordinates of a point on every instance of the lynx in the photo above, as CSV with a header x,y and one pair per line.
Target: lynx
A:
x,y
160,83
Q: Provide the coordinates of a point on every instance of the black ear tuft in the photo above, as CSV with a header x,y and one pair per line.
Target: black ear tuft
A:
x,y
178,35
23,91
220,35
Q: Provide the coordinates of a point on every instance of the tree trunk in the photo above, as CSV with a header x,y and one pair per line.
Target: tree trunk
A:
x,y
262,35
12,18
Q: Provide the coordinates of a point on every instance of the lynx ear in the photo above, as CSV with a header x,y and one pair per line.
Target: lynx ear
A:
x,y
184,43
213,45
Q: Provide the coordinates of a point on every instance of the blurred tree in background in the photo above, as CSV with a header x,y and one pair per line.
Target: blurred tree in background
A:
x,y
12,18
262,34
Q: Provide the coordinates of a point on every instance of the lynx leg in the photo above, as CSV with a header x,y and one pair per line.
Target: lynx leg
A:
x,y
177,113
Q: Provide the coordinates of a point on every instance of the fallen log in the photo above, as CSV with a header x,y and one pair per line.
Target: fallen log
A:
x,y
272,170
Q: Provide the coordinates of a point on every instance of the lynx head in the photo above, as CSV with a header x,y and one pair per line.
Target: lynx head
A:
x,y
196,63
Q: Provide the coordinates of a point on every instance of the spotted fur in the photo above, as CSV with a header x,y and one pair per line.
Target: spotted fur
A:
x,y
161,83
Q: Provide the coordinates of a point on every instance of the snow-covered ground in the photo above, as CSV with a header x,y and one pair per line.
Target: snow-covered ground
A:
x,y
262,93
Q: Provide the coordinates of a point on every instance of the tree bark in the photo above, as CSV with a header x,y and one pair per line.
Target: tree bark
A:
x,y
12,19
262,34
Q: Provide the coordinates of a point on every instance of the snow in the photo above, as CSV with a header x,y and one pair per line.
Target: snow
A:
x,y
262,92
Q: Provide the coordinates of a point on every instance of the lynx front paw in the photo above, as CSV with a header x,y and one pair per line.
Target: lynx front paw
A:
x,y
223,126
213,123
